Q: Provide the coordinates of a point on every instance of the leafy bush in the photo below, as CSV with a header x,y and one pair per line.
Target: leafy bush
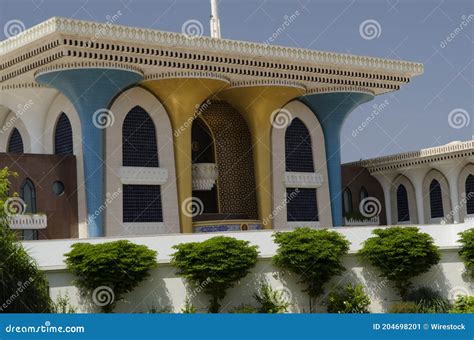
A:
x,y
116,266
348,299
214,265
463,304
188,307
400,254
428,300
62,305
467,251
23,287
404,307
314,255
270,301
244,309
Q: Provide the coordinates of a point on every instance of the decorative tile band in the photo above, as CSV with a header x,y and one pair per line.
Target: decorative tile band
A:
x,y
227,227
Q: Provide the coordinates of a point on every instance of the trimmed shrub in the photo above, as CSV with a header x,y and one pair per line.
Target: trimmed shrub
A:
x,y
314,255
467,251
463,304
404,307
107,271
348,299
400,254
428,300
271,301
214,265
23,287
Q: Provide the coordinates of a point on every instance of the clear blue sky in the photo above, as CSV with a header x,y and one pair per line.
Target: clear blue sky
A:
x,y
417,116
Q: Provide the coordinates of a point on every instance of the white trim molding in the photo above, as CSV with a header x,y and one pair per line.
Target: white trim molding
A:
x,y
303,179
143,175
27,222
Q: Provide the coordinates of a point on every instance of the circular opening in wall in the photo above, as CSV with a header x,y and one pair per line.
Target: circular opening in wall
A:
x,y
58,188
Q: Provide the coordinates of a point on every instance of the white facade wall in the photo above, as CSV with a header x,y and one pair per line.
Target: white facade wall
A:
x,y
163,288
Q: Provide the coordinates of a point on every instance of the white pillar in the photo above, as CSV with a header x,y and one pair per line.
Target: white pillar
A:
x,y
416,177
451,170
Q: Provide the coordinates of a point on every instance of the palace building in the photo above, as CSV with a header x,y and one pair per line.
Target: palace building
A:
x,y
118,131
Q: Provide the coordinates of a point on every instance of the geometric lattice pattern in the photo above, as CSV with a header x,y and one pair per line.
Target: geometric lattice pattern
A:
x,y
234,158
142,203
298,151
302,205
139,147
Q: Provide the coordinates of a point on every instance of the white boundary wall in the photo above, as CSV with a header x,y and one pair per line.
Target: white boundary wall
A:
x,y
164,289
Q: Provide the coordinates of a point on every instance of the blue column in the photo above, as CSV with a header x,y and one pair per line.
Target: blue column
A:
x,y
331,109
90,90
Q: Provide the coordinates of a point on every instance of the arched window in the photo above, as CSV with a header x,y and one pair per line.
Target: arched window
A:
x,y
436,199
402,204
141,203
15,143
298,149
347,201
139,147
363,194
28,195
63,136
470,194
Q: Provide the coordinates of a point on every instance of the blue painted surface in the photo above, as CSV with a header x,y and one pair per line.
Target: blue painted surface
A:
x,y
90,90
332,109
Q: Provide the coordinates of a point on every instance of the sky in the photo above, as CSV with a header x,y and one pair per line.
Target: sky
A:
x,y
433,109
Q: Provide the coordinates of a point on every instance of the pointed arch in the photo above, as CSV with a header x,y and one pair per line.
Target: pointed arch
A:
x,y
403,211
139,147
15,142
347,201
363,193
63,142
298,148
436,200
469,189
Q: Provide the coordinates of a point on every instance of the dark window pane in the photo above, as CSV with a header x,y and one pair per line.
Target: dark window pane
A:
x,y
15,144
298,151
63,136
142,203
302,205
470,194
402,204
139,139
436,200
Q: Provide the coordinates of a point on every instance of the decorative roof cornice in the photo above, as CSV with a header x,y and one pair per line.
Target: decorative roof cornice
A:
x,y
186,74
331,89
117,32
22,86
88,64
267,82
413,158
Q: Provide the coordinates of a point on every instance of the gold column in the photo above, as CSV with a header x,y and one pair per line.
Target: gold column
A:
x,y
182,94
257,102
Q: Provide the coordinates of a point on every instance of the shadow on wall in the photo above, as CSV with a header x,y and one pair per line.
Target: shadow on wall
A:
x,y
164,292
152,295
